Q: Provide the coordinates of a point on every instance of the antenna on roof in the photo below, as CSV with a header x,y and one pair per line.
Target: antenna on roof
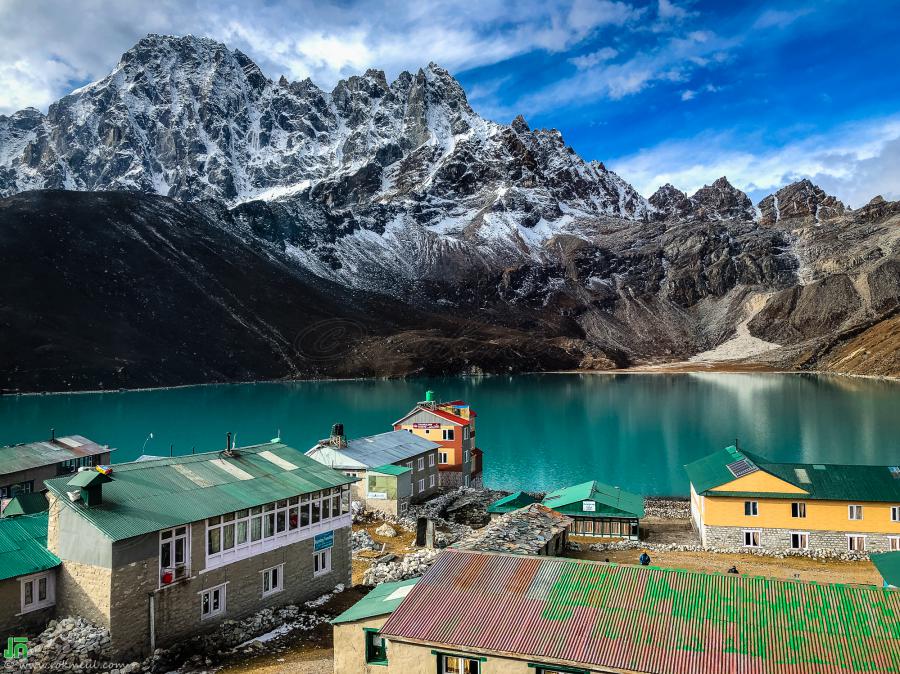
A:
x,y
52,434
736,446
172,449
148,439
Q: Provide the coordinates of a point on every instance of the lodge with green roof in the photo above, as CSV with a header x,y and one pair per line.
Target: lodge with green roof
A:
x,y
25,467
599,509
741,499
161,549
27,574
507,504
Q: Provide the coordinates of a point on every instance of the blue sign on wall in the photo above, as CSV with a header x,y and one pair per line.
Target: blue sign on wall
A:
x,y
323,541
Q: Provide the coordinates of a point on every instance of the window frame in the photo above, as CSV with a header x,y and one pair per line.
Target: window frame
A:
x,y
422,486
804,534
431,481
274,588
443,657
800,508
421,463
371,658
850,511
893,543
431,460
322,560
448,434
753,507
222,589
895,513
172,541
758,533
446,458
33,580
851,537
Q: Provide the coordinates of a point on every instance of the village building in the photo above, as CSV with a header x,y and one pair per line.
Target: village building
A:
x,y
532,530
25,467
888,565
27,575
25,503
360,456
599,510
452,426
482,613
740,499
507,504
389,489
163,549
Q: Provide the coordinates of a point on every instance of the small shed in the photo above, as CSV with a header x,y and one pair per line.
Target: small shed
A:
x,y
27,574
599,510
389,488
509,503
888,565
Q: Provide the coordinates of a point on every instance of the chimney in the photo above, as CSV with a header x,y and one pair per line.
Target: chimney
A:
x,y
52,434
228,441
90,482
338,439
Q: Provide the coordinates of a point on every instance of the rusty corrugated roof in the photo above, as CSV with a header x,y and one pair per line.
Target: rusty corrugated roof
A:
x,y
647,619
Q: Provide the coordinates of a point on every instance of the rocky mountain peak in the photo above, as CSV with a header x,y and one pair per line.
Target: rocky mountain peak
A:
x,y
721,201
799,200
669,201
519,125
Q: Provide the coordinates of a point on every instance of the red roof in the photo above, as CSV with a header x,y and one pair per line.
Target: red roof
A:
x,y
440,413
647,619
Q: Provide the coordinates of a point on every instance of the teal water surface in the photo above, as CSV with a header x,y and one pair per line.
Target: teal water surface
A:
x,y
538,431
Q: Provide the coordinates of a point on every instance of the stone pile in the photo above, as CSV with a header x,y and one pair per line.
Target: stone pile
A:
x,y
68,644
667,508
386,530
412,565
761,552
361,540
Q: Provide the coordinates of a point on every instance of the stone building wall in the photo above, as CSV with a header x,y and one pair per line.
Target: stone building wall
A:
x,y
780,539
177,606
14,624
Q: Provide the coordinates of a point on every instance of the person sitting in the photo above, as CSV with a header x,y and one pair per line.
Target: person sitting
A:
x,y
733,569
644,559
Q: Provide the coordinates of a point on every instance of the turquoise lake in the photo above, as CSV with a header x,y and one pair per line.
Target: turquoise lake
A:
x,y
538,432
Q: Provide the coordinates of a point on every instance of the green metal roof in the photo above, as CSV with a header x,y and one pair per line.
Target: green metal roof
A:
x,y
26,456
611,501
382,600
88,478
147,496
26,504
888,565
23,546
836,482
512,502
390,469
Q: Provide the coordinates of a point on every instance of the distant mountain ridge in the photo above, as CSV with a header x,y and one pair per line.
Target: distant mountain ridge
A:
x,y
400,189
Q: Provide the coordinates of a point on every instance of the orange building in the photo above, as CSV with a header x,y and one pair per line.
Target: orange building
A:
x,y
452,426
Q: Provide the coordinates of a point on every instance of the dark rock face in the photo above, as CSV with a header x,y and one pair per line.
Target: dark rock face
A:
x,y
721,201
670,202
799,200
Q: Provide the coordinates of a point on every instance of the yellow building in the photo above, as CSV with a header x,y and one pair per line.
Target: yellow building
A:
x,y
742,500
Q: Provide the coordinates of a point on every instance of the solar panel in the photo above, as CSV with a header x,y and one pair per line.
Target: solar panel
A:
x,y
818,466
802,475
741,468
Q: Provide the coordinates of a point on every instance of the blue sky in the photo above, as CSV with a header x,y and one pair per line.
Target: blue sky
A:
x,y
661,91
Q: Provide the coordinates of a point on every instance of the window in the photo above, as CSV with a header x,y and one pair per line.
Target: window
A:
x,y
798,510
894,543
421,463
442,457
856,543
321,562
13,490
430,481
421,485
376,649
751,539
212,601
555,670
38,591
404,506
447,434
751,508
174,554
273,580
895,513
451,664
466,433
431,460
854,512
799,540
409,465
248,532
72,465
351,473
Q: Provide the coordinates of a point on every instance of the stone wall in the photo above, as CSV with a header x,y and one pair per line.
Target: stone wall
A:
x,y
177,606
84,590
780,539
350,646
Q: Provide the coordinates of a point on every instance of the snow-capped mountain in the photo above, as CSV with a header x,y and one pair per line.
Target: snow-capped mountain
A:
x,y
401,189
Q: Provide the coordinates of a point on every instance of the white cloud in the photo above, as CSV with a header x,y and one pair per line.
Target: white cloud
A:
x,y
855,162
669,10
777,18
688,94
590,60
